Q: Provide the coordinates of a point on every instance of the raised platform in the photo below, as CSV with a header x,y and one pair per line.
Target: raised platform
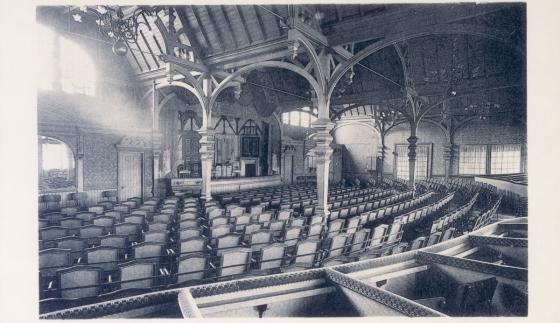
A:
x,y
225,185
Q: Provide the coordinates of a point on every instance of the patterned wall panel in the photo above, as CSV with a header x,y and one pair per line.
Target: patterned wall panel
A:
x,y
100,161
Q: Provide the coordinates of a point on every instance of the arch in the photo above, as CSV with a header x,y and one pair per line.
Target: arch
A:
x,y
490,33
445,131
61,157
273,64
202,100
458,127
360,123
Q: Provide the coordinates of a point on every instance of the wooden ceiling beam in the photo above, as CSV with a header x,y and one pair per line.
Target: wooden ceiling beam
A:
x,y
401,19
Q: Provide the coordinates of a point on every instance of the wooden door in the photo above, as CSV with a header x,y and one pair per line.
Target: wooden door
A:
x,y
130,175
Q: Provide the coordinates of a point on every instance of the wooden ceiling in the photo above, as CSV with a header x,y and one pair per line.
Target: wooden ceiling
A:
x,y
225,37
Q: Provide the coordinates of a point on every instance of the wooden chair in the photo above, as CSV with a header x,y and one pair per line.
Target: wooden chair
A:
x,y
359,241
192,268
225,243
352,224
149,251
193,245
156,236
116,241
284,215
117,215
162,217
131,230
335,227
241,221
297,222
189,233
259,239
97,209
219,230
137,275
104,257
80,282
69,211
337,246
271,257
221,220
305,256
87,217
188,216
52,233
91,233
315,231
292,235
75,244
104,221
189,224
233,262
123,208
158,226
139,219
53,259
72,224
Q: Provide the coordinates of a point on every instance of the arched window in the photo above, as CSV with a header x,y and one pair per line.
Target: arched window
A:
x,y
56,165
301,118
63,64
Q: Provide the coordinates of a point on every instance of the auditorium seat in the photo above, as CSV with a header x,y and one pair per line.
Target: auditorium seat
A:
x,y
104,257
305,256
149,251
53,217
125,209
131,230
155,236
72,224
271,257
189,233
193,245
51,260
75,244
104,221
259,239
291,235
79,282
115,214
68,211
117,241
97,209
87,217
91,233
52,233
224,243
232,262
192,268
137,275
158,226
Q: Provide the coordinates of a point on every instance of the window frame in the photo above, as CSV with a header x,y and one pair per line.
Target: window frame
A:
x,y
429,161
75,182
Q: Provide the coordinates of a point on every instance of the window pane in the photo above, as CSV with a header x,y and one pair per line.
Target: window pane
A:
x,y
286,118
472,159
294,118
421,165
305,119
57,169
505,159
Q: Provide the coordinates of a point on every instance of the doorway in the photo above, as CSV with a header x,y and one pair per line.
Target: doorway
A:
x,y
129,175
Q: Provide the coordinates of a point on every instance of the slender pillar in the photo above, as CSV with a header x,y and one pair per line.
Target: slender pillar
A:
x,y
323,153
448,158
206,159
411,160
381,151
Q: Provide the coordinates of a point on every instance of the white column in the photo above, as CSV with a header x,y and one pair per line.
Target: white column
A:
x,y
206,159
323,152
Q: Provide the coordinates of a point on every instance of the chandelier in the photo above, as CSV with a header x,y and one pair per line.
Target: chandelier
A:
x,y
112,22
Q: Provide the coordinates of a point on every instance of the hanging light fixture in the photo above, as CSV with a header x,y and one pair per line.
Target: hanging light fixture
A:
x,y
112,23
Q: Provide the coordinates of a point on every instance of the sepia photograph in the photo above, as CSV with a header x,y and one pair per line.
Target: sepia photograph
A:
x,y
283,160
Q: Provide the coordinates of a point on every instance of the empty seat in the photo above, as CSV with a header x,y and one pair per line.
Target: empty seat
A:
x,y
193,245
155,236
305,256
52,233
104,221
271,257
51,260
96,209
131,230
189,233
158,226
233,262
104,257
137,274
259,239
226,242
79,282
75,244
69,211
292,236
87,217
117,215
192,268
150,251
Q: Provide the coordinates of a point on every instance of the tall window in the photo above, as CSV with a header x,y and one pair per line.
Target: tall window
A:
x,y
56,164
472,159
63,64
421,166
505,159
